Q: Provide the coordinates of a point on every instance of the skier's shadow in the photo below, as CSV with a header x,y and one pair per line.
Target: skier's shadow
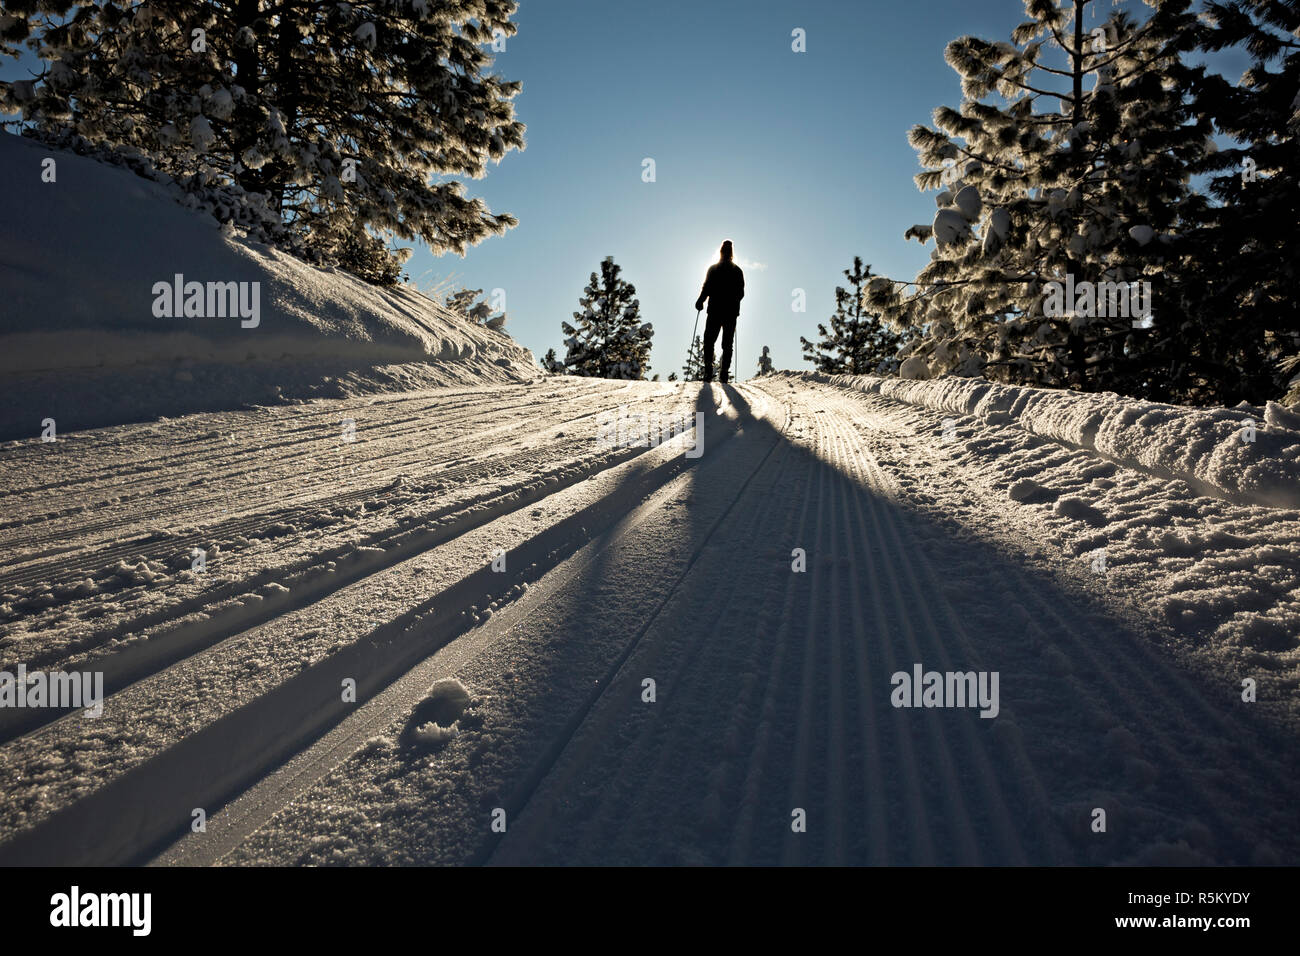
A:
x,y
902,559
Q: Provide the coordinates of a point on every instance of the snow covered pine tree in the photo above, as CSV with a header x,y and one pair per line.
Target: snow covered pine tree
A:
x,y
609,340
857,343
1087,185
320,126
1248,301
480,313
693,370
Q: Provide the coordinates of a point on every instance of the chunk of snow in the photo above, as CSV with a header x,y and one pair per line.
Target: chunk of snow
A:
x,y
1028,491
201,135
432,734
913,367
1141,234
1079,510
1000,222
220,105
1279,416
968,202
436,719
950,227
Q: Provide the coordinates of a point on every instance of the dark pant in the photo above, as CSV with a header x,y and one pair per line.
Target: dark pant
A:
x,y
727,326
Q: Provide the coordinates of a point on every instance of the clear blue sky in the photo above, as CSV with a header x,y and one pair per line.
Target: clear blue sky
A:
x,y
800,158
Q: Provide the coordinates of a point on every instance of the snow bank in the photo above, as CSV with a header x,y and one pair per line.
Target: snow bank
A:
x,y
82,340
1236,453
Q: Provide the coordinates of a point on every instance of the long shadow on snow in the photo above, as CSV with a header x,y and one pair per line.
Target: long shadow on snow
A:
x,y
1092,715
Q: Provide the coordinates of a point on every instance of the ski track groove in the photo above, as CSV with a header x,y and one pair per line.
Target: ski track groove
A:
x,y
215,450
791,850
835,637
311,499
743,827
918,827
927,583
137,777
873,764
589,727
194,511
562,458
991,795
668,736
471,512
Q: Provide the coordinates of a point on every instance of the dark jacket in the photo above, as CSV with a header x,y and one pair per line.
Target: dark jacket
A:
x,y
724,287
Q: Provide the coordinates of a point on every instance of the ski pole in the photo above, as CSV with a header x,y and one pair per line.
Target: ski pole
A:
x,y
693,331
735,345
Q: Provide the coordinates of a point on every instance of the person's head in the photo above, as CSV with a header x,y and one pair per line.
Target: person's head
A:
x,y
726,251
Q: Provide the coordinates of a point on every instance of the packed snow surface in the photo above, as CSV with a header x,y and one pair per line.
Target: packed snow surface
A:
x,y
570,650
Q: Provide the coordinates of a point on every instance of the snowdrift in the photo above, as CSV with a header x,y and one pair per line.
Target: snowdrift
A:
x,y
88,338
1208,448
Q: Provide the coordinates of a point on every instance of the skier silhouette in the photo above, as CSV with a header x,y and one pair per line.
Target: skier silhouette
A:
x,y
724,287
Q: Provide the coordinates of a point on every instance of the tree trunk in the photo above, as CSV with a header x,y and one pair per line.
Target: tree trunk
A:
x,y
1076,347
288,38
248,69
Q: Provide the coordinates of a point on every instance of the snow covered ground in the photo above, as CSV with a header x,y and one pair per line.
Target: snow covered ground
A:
x,y
359,585
567,650
86,340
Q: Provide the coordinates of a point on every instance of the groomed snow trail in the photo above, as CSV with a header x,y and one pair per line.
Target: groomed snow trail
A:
x,y
774,697
681,661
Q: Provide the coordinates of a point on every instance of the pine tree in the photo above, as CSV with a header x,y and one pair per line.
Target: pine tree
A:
x,y
551,363
1248,334
858,342
765,362
1085,182
463,302
693,370
333,121
609,340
